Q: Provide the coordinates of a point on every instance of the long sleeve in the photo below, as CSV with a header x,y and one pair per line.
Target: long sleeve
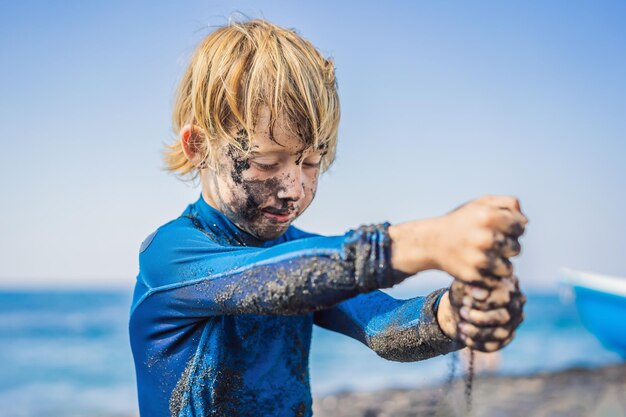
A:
x,y
221,323
186,272
398,330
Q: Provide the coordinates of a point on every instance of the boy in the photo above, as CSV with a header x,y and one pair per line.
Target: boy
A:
x,y
227,293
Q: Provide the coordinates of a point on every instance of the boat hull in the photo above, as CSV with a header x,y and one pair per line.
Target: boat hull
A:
x,y
604,315
601,304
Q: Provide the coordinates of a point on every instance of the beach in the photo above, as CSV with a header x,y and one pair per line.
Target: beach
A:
x,y
576,392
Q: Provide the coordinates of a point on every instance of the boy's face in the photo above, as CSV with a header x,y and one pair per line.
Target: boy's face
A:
x,y
266,191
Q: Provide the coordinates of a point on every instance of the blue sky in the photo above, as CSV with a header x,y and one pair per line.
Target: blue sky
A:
x,y
441,102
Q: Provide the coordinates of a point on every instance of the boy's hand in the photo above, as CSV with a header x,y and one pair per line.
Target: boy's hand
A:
x,y
472,243
476,240
483,319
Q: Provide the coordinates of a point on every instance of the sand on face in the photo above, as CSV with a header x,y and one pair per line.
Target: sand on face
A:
x,y
579,392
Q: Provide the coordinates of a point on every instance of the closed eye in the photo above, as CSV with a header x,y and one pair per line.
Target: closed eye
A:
x,y
312,164
266,167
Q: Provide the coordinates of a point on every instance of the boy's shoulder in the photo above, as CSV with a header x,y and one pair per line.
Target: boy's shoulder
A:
x,y
191,229
194,239
165,253
185,229
145,244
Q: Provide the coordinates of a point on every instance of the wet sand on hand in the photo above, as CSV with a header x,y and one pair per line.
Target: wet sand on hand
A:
x,y
578,392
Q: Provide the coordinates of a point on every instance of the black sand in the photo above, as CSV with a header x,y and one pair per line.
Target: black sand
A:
x,y
580,392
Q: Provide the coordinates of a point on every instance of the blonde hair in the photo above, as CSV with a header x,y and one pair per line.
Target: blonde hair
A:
x,y
245,65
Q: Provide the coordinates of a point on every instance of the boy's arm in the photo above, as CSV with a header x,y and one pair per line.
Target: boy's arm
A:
x,y
185,273
398,330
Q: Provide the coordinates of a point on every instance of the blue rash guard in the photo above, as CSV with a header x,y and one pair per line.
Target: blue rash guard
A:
x,y
221,322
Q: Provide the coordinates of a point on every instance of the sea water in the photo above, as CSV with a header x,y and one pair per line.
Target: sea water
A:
x,y
67,354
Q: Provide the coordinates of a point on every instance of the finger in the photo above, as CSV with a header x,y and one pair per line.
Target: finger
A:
x,y
482,278
517,318
466,340
499,316
517,301
484,334
516,306
504,202
487,347
506,246
459,290
511,283
507,341
477,305
478,345
508,222
456,294
501,295
475,296
497,298
491,264
492,346
496,265
478,277
461,294
507,201
478,293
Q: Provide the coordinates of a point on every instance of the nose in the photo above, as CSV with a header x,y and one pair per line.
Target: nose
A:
x,y
292,187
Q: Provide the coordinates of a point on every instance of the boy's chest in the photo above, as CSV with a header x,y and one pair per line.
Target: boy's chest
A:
x,y
270,332
264,350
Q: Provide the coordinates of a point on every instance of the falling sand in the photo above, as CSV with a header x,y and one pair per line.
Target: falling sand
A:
x,y
468,380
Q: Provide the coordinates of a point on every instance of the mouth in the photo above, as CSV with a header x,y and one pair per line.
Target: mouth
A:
x,y
279,215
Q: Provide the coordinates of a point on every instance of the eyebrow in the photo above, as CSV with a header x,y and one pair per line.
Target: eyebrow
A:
x,y
253,153
276,150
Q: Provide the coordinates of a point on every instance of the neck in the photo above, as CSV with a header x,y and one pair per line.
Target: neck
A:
x,y
208,197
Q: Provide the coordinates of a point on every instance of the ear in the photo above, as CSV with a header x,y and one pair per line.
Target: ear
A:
x,y
191,138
